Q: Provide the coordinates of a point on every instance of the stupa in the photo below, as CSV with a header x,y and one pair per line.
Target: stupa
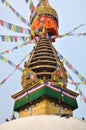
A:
x,y
44,80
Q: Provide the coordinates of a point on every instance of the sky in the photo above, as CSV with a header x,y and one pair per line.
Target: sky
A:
x,y
71,13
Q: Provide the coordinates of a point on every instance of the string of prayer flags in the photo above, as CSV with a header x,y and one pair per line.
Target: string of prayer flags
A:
x,y
76,87
34,13
24,58
6,38
4,80
10,63
62,83
15,12
32,9
78,27
17,67
14,27
15,48
31,5
71,33
72,68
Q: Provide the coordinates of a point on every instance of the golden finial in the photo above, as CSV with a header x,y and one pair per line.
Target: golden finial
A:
x,y
44,2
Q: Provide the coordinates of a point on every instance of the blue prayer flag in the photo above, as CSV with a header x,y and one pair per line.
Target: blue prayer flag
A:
x,y
10,26
26,1
2,1
2,37
39,4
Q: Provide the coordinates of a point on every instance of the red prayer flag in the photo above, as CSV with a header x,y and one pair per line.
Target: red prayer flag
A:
x,y
7,51
1,23
58,73
3,81
70,66
85,100
21,30
32,10
18,66
15,38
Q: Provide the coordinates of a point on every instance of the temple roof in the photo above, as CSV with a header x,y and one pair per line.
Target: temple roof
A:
x,y
26,96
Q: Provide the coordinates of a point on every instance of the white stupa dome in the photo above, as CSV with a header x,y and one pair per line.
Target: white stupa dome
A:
x,y
45,122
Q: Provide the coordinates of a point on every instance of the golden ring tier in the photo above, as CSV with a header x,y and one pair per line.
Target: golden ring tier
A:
x,y
44,63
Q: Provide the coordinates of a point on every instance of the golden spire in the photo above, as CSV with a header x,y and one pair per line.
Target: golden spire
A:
x,y
44,2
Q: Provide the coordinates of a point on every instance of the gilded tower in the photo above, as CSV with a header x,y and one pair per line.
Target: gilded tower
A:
x,y
44,80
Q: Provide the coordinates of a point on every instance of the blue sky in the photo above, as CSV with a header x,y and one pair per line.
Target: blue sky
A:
x,y
71,14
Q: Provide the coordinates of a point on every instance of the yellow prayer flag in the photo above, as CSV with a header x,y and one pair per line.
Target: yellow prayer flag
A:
x,y
37,17
79,90
43,30
83,83
13,27
5,60
32,33
25,56
20,45
7,38
60,83
79,76
40,33
20,16
26,38
58,62
30,2
41,81
6,3
65,35
63,59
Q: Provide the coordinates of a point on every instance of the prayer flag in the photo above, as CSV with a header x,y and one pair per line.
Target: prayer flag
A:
x,y
21,29
31,4
2,1
27,1
85,100
1,23
7,38
20,45
7,51
5,60
11,38
2,37
15,38
6,3
58,73
14,28
9,26
39,3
